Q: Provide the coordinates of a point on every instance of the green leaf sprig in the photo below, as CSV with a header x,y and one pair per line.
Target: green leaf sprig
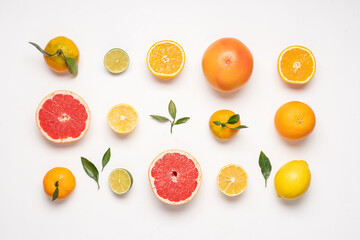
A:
x,y
265,166
232,120
91,169
172,112
56,192
70,62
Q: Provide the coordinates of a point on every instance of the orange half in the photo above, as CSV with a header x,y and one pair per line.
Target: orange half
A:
x,y
296,65
165,59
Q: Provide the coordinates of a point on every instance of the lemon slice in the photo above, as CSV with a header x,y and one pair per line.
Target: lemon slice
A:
x,y
120,180
116,60
232,180
122,118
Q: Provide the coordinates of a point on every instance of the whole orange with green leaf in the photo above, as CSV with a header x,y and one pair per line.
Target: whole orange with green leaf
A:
x,y
59,183
224,124
61,55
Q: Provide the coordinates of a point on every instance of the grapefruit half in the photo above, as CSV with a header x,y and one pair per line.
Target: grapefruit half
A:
x,y
175,177
63,116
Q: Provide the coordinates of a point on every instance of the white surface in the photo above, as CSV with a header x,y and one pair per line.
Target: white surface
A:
x,y
329,210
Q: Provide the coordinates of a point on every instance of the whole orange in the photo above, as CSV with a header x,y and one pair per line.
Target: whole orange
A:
x,y
223,132
227,64
65,180
294,120
69,49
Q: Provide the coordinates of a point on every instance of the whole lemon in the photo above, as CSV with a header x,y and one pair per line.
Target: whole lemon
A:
x,y
292,180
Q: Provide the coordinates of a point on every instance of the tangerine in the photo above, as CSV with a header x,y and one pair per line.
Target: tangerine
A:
x,y
68,48
219,131
61,178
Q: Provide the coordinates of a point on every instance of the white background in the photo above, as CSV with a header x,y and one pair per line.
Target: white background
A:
x,y
329,210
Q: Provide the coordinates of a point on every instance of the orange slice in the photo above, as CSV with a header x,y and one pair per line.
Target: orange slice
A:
x,y
232,180
165,59
296,65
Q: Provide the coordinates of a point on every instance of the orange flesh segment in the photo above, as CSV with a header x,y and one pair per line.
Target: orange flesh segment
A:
x,y
166,58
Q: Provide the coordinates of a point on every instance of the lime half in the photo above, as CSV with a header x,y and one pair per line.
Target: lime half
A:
x,y
120,181
116,60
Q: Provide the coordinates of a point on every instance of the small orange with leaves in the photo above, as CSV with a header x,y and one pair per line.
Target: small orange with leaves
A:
x,y
59,183
61,55
224,124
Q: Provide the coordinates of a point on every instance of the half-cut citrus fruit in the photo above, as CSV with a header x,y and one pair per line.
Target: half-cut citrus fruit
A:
x,y
63,116
232,180
116,60
175,177
120,181
165,59
122,118
296,65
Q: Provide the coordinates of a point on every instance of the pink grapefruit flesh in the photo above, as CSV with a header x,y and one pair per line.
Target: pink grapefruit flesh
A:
x,y
175,177
63,116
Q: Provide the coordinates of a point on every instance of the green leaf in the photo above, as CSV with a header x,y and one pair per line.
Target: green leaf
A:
x,y
41,50
106,158
90,170
234,119
182,120
172,109
56,192
217,123
160,118
239,127
72,65
265,166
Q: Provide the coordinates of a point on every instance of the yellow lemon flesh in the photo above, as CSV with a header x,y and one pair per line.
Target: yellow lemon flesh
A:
x,y
292,180
122,118
232,180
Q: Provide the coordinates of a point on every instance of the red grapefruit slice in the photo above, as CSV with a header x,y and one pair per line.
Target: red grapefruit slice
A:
x,y
63,116
175,177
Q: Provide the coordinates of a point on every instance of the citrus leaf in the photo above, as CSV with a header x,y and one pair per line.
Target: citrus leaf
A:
x,y
41,50
172,109
265,166
106,158
234,119
90,170
239,127
56,192
182,120
72,65
160,118
217,123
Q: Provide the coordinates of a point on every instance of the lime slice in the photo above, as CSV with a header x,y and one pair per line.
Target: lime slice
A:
x,y
120,180
116,60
